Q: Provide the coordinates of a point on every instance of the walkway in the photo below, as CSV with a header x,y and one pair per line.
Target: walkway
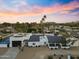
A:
x,y
10,54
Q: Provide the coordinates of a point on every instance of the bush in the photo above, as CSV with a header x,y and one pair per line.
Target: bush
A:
x,y
50,57
77,57
72,57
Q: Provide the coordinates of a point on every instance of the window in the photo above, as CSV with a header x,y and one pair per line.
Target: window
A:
x,y
52,44
33,43
57,44
44,42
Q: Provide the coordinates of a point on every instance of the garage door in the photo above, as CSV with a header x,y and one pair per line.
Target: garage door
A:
x,y
16,43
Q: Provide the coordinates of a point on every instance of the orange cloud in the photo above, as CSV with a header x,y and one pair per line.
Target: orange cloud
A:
x,y
36,10
61,8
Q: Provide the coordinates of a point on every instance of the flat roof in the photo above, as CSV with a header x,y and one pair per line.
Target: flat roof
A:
x,y
34,38
56,39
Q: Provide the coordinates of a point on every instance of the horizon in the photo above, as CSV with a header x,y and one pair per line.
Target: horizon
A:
x,y
39,22
59,11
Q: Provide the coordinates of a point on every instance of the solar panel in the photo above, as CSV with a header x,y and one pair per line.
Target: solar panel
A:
x,y
34,38
55,39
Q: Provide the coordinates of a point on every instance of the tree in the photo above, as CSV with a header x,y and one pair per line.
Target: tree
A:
x,y
50,57
42,24
20,27
5,24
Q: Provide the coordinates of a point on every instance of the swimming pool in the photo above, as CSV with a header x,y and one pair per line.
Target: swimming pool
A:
x,y
5,41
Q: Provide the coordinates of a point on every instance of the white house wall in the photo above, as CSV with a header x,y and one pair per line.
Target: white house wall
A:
x,y
27,37
17,39
43,40
22,43
52,46
30,44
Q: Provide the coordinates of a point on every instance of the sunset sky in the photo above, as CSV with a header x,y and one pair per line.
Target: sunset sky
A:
x,y
32,10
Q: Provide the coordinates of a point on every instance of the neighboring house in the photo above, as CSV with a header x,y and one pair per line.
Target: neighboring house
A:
x,y
37,40
56,30
56,42
7,29
68,28
14,40
76,44
75,34
18,40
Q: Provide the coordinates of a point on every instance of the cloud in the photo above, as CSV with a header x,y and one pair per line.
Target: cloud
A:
x,y
21,7
75,10
20,10
14,5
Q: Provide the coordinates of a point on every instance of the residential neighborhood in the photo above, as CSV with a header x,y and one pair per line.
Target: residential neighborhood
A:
x,y
39,29
61,39
44,40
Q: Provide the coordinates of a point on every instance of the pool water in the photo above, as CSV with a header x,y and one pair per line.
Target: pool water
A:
x,y
5,41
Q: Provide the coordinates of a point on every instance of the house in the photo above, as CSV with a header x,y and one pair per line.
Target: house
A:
x,y
56,42
9,29
14,40
75,34
18,39
76,44
37,40
68,28
34,41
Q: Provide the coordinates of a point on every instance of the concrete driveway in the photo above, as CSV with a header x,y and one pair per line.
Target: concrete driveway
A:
x,y
10,54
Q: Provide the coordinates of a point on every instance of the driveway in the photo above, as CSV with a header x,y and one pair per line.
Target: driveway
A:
x,y
41,52
10,54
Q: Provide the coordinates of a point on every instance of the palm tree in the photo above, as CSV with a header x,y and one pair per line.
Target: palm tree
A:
x,y
42,24
44,16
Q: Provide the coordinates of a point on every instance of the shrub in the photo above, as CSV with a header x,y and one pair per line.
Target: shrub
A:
x,y
50,57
